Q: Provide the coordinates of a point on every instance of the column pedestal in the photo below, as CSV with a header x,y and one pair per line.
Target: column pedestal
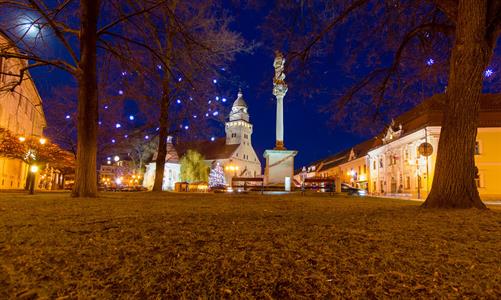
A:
x,y
279,165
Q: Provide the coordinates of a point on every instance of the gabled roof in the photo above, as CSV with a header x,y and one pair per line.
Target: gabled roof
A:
x,y
427,113
217,149
430,112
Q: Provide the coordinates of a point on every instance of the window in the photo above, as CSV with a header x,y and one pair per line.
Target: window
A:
x,y
407,182
374,165
365,169
380,162
246,136
359,169
477,148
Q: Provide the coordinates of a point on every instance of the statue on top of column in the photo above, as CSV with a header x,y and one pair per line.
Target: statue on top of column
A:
x,y
279,85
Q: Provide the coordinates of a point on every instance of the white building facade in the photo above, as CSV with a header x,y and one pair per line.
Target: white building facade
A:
x,y
234,152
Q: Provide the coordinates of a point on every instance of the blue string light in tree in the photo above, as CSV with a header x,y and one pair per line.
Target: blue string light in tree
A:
x,y
131,117
214,81
488,73
67,117
224,99
430,61
120,92
178,101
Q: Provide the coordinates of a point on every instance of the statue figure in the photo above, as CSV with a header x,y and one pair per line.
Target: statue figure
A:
x,y
279,65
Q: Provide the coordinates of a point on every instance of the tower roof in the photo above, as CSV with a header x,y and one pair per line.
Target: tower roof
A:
x,y
240,100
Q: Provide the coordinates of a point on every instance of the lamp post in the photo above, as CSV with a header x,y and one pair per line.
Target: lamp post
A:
x,y
33,170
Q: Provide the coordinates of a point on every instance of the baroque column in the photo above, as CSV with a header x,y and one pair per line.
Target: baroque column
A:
x,y
279,90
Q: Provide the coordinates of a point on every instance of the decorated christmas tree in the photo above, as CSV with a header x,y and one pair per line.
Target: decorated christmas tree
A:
x,y
216,177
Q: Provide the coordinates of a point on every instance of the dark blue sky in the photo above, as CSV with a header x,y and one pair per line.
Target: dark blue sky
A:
x,y
306,128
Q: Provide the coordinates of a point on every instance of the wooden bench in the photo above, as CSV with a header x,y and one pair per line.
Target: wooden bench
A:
x,y
234,180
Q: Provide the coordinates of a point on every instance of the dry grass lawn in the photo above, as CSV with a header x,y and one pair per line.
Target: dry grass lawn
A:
x,y
147,245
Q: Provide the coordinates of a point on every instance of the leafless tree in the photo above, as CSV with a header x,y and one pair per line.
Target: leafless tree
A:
x,y
394,42
189,43
74,26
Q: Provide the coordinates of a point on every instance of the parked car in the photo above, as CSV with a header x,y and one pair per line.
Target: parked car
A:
x,y
352,191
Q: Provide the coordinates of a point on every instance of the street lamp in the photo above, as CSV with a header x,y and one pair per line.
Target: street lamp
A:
x,y
33,170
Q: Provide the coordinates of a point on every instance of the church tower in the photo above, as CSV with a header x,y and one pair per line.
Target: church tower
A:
x,y
238,128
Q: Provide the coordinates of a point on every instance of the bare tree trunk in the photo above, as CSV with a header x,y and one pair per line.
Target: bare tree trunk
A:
x,y
162,140
85,177
164,112
454,181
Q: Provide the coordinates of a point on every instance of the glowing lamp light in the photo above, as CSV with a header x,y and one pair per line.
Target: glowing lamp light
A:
x,y
116,158
67,117
194,116
186,127
118,181
118,125
131,117
120,92
113,141
146,137
488,73
212,139
34,169
22,139
207,115
214,81
43,141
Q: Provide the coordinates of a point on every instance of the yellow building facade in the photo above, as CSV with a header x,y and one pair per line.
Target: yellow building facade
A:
x,y
20,112
400,161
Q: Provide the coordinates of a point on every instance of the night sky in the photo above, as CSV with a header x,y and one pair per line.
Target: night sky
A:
x,y
307,129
